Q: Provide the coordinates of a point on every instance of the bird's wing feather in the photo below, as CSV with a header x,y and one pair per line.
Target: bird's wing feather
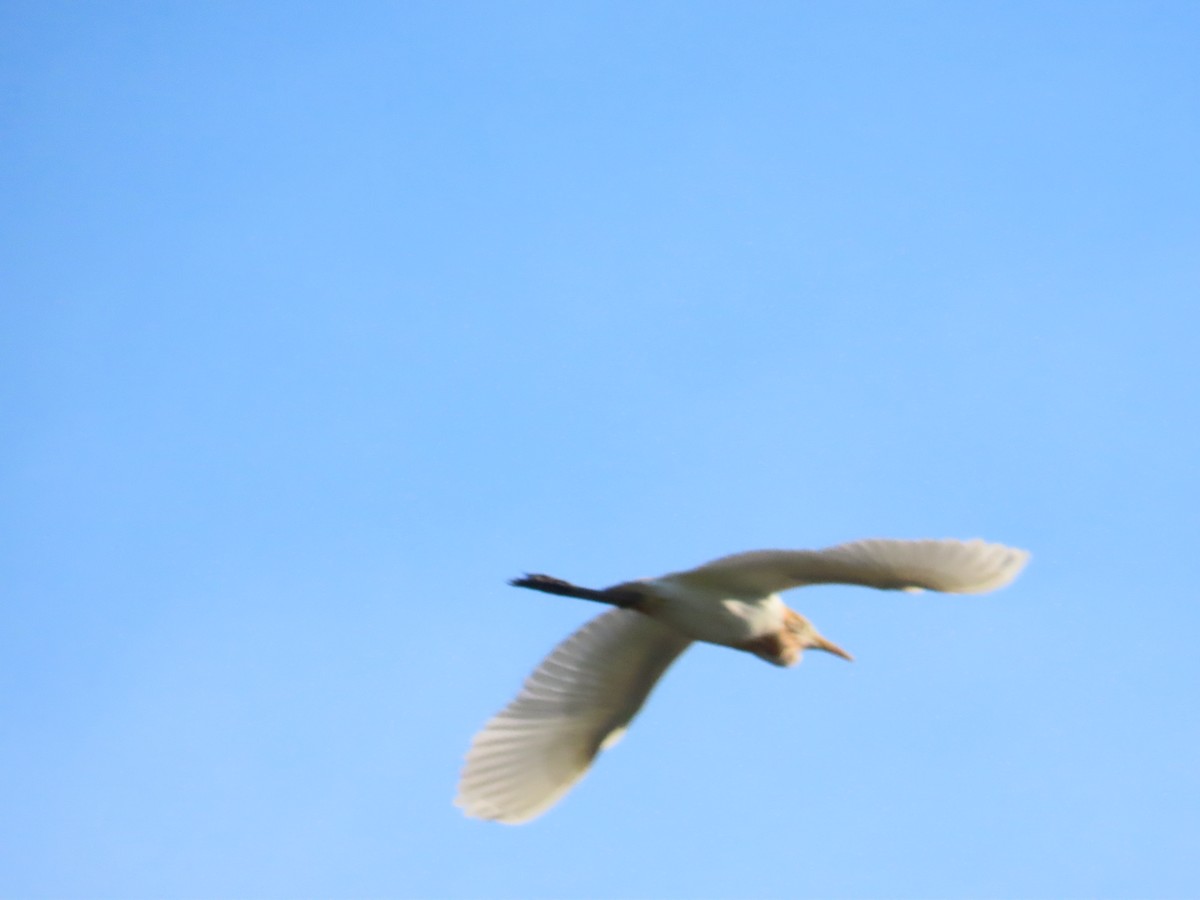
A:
x,y
956,567
576,703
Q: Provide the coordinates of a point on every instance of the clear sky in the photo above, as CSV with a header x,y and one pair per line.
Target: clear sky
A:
x,y
320,321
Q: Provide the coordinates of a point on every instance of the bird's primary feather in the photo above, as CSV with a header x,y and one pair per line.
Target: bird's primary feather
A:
x,y
950,566
577,702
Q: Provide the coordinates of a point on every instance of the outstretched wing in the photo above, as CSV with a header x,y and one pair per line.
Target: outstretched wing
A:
x,y
576,703
956,567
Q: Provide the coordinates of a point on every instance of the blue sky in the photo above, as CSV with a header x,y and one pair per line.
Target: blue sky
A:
x,y
320,321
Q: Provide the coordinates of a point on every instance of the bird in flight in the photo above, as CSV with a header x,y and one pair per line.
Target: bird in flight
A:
x,y
583,696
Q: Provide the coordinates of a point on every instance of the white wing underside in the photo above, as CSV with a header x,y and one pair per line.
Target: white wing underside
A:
x,y
575,704
956,567
585,693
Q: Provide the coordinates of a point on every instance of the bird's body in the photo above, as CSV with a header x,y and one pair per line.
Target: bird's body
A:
x,y
710,613
584,694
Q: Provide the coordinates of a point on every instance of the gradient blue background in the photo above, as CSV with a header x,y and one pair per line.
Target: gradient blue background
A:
x,y
320,321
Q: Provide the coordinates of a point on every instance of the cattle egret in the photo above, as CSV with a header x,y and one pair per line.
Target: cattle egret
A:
x,y
583,696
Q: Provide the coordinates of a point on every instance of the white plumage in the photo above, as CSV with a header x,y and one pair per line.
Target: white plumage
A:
x,y
585,693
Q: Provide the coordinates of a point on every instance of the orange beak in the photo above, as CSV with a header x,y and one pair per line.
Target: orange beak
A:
x,y
819,643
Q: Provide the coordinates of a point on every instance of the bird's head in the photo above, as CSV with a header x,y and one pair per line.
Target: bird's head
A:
x,y
808,638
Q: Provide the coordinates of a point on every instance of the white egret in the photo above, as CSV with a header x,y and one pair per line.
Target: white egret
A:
x,y
583,696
